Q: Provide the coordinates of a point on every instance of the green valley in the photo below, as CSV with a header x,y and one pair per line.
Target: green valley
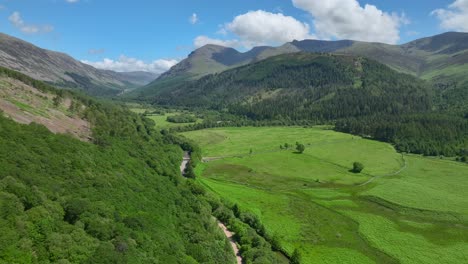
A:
x,y
234,132
412,211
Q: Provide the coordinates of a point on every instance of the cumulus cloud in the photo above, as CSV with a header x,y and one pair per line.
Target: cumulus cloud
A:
x,y
201,41
454,17
127,64
193,19
17,21
256,28
347,19
261,27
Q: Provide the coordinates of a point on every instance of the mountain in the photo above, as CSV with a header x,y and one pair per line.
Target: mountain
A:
x,y
442,59
304,86
63,71
136,78
211,59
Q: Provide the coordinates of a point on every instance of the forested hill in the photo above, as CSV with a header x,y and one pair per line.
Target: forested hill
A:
x,y
117,199
305,86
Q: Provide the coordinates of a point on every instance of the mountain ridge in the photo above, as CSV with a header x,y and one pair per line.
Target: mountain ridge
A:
x,y
62,70
441,59
304,86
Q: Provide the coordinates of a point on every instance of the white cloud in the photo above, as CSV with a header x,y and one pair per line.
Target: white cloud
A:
x,y
193,19
259,27
16,20
347,19
201,41
256,28
127,64
72,1
454,17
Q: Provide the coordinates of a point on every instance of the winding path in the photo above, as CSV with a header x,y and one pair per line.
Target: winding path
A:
x,y
234,246
227,233
405,164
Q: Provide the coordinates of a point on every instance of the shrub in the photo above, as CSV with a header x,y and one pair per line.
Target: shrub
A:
x,y
357,167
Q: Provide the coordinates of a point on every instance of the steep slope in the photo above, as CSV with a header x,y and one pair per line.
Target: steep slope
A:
x,y
26,101
211,59
62,70
117,199
205,60
305,86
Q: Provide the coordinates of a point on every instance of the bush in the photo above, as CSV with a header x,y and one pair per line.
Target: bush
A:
x,y
357,167
300,148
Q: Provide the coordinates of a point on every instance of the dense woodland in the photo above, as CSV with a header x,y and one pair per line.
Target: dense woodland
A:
x,y
181,118
118,199
305,86
428,134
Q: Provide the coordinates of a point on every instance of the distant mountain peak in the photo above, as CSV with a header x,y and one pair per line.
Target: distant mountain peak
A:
x,y
62,70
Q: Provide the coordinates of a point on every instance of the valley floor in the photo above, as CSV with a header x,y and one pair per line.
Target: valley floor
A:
x,y
400,209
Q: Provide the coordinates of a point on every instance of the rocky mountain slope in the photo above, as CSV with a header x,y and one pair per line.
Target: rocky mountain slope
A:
x,y
63,71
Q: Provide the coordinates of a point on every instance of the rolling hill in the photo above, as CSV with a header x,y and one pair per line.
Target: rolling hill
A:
x,y
63,71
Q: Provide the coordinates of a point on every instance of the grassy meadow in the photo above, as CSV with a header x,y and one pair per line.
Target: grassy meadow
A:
x,y
414,210
161,119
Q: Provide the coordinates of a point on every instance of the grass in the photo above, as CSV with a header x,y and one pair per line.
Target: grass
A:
x,y
161,120
312,202
443,183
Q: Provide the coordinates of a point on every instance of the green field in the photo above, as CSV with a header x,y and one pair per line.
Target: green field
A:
x,y
161,120
414,210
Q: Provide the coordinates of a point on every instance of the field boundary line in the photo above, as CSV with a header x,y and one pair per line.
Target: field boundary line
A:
x,y
375,177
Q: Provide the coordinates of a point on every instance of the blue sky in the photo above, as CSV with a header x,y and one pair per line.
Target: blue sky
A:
x,y
153,35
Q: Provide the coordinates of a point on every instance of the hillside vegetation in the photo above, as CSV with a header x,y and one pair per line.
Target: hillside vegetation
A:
x,y
305,86
119,199
399,209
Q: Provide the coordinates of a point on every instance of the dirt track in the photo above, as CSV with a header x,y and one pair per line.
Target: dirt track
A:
x,y
227,233
234,246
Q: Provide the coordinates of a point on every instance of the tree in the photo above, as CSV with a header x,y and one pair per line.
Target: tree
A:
x,y
357,167
251,151
188,172
300,148
296,257
286,145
